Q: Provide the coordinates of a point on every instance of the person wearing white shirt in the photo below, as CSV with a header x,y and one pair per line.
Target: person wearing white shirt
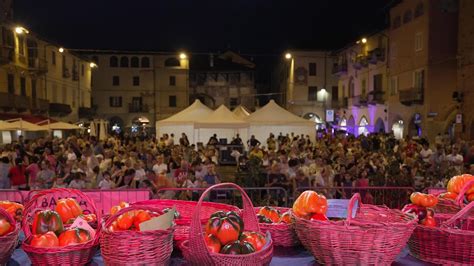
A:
x,y
426,153
160,167
456,160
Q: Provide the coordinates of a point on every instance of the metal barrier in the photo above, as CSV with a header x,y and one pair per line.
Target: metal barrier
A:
x,y
392,197
13,195
260,196
434,190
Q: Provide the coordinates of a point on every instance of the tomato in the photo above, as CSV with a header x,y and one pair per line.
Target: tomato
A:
x,y
448,195
212,243
286,218
256,239
45,221
47,240
140,217
310,202
263,219
318,217
456,183
428,200
125,221
238,247
271,213
429,221
5,227
225,226
68,209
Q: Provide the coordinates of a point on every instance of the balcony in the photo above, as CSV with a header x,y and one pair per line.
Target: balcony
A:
x,y
39,105
376,55
6,54
360,62
59,109
339,69
134,108
66,73
340,103
358,101
20,103
87,112
376,97
37,65
411,96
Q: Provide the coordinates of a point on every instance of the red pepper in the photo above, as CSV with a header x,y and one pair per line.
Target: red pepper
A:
x,y
68,209
45,221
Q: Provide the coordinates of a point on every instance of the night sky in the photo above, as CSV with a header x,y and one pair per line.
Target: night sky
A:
x,y
249,26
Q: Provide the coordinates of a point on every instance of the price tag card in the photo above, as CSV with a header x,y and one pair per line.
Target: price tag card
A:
x,y
83,224
337,208
161,222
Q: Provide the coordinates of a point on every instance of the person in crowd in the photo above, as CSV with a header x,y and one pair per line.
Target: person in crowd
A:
x,y
45,177
4,170
213,140
183,141
253,142
17,175
106,182
237,140
77,181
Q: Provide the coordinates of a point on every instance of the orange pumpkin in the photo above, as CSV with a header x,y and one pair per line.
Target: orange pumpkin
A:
x,y
271,213
456,183
310,202
448,195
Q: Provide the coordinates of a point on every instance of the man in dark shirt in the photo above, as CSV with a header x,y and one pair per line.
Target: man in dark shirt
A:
x,y
253,142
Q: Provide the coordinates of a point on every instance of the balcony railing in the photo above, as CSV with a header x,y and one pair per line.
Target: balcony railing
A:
x,y
39,105
37,65
376,97
133,108
411,96
360,100
360,62
6,54
59,109
20,103
376,55
339,69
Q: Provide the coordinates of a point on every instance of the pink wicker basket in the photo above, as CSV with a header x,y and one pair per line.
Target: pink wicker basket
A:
x,y
453,206
79,254
9,241
186,209
374,237
452,243
195,250
283,234
136,247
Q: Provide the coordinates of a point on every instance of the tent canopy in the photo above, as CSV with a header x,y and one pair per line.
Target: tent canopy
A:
x,y
273,114
221,117
194,112
241,112
60,126
24,126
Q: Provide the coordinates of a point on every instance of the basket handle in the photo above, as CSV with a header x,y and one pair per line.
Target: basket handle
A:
x,y
465,211
9,218
114,217
196,235
31,206
355,198
460,198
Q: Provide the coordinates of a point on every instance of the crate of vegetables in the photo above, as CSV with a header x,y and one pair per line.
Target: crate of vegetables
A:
x,y
228,238
9,231
367,235
184,212
137,235
280,224
56,227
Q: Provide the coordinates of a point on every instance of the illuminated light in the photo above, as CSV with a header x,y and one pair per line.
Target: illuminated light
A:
x,y
288,56
182,56
21,30
364,40
61,50
92,65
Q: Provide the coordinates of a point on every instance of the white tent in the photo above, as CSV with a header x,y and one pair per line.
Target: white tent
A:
x,y
272,118
241,112
221,122
60,126
20,124
183,122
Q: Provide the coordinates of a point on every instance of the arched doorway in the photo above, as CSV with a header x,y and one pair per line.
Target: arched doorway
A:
x,y
363,127
351,125
379,126
414,128
140,124
116,125
343,124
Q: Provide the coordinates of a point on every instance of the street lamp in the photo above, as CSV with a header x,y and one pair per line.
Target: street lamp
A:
x,y
182,56
61,50
92,65
288,56
364,40
21,30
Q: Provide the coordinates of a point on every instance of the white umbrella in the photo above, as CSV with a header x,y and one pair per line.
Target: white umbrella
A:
x,y
61,126
23,125
93,132
102,135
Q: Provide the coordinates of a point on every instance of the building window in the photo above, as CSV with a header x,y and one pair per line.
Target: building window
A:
x,y
53,57
233,102
312,93
33,89
378,82
396,23
172,101
172,62
116,81
407,16
124,61
145,62
419,79
312,69
172,80
418,41
115,101
351,87
11,83
419,10
136,81
393,85
73,99
23,86
113,61
82,70
134,62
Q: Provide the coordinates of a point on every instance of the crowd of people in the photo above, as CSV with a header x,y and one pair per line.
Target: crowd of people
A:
x,y
291,161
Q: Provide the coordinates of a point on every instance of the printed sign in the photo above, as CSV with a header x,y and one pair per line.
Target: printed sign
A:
x,y
337,208
329,115
458,118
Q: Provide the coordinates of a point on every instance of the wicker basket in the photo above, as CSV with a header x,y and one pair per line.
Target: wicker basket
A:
x,y
79,254
9,241
283,235
452,243
186,209
136,247
195,250
453,206
374,237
